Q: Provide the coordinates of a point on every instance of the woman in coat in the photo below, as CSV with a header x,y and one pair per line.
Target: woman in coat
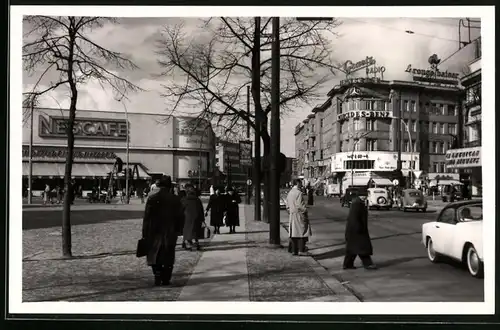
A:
x,y
299,228
232,210
217,207
358,242
193,218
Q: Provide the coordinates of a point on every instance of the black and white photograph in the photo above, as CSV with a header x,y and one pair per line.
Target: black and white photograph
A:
x,y
251,160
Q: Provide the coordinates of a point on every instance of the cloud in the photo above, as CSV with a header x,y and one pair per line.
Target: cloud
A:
x,y
383,38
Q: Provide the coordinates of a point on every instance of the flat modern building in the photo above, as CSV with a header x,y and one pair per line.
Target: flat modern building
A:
x,y
466,158
181,147
367,124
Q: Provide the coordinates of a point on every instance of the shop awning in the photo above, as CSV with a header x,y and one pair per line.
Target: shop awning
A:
x,y
79,170
360,181
444,182
382,181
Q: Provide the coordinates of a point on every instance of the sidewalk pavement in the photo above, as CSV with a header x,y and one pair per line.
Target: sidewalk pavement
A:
x,y
230,267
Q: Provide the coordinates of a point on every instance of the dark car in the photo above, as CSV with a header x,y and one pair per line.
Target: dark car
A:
x,y
346,199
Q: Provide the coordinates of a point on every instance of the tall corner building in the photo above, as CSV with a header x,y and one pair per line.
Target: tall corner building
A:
x,y
367,124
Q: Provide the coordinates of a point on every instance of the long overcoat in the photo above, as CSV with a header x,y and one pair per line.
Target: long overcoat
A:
x,y
217,207
162,224
356,233
232,209
298,218
193,217
310,196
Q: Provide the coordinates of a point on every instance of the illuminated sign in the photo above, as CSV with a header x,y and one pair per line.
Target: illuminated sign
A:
x,y
245,153
463,158
433,75
61,153
349,67
84,128
375,69
364,114
360,81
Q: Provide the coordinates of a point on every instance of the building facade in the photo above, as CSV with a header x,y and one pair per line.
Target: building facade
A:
x,y
181,147
368,124
465,158
227,160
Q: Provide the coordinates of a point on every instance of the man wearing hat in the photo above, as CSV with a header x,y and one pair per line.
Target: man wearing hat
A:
x,y
162,224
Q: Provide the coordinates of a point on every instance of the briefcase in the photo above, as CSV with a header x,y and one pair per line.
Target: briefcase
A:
x,y
142,248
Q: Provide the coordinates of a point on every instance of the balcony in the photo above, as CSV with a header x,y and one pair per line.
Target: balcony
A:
x,y
472,144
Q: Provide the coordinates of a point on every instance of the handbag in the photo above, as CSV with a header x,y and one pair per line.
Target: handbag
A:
x,y
142,248
205,231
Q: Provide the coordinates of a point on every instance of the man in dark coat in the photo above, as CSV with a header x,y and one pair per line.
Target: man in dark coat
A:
x,y
310,195
232,210
163,222
357,237
193,218
217,207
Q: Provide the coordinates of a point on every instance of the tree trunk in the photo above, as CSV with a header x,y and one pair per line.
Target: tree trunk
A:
x,y
68,186
267,151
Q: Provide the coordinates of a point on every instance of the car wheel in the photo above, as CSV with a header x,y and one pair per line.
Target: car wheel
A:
x,y
474,264
431,253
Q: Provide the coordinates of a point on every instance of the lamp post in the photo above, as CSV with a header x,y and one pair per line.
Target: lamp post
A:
x,y
30,173
127,198
410,167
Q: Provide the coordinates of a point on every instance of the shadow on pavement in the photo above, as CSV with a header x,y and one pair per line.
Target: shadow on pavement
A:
x,y
393,262
233,247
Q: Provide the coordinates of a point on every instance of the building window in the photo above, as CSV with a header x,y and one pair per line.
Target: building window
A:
x,y
321,122
356,146
312,128
341,144
435,128
321,154
406,146
313,142
452,128
442,168
359,164
356,124
371,145
441,109
375,105
341,125
443,128
435,147
435,167
370,125
414,126
313,155
443,148
356,105
427,108
406,106
413,106
386,105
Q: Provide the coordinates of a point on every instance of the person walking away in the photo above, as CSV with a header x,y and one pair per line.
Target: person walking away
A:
x,y
216,206
358,242
162,223
233,200
299,228
193,219
310,195
60,194
140,193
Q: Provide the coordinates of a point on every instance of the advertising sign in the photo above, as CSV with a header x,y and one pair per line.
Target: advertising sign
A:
x,y
359,81
364,114
382,161
84,128
245,153
433,75
193,133
463,158
60,153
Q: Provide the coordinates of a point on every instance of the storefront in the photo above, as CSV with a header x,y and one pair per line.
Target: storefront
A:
x,y
158,144
374,168
468,162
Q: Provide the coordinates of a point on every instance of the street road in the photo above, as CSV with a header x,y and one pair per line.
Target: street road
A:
x,y
405,273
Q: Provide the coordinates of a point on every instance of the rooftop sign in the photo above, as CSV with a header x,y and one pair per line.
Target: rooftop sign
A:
x,y
86,128
433,75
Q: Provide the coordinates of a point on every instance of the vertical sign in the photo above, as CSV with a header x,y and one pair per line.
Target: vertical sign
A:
x,y
246,153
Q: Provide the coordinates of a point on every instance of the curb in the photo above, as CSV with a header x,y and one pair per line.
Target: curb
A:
x,y
330,280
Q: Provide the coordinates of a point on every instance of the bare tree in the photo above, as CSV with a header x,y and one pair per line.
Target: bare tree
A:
x,y
63,45
217,66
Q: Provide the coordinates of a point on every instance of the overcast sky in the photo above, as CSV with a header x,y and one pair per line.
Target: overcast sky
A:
x,y
383,38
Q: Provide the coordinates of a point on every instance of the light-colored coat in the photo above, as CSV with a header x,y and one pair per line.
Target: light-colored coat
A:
x,y
298,219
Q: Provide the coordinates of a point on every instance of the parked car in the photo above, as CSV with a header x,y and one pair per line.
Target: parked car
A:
x,y
457,233
378,198
346,199
412,199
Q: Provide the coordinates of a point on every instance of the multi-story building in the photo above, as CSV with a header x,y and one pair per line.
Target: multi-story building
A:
x,y
466,157
227,159
368,124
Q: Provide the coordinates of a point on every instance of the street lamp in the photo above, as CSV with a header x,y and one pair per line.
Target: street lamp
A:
x,y
127,198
